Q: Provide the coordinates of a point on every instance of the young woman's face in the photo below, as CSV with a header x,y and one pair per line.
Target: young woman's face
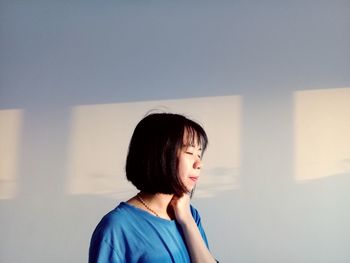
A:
x,y
189,163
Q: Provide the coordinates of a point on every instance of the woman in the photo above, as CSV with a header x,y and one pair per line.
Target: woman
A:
x,y
158,224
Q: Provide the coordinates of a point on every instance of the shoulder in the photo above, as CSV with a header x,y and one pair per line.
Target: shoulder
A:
x,y
112,223
105,239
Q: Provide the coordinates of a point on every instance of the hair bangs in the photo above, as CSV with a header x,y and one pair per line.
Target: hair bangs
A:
x,y
195,135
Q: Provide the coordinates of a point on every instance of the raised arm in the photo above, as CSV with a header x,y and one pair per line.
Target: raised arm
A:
x,y
198,250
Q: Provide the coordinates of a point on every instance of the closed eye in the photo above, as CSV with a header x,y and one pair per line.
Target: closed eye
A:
x,y
190,153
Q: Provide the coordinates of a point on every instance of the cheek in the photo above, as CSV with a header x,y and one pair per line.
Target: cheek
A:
x,y
186,166
182,166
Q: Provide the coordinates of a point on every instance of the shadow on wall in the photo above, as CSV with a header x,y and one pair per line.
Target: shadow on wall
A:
x,y
321,132
10,127
99,137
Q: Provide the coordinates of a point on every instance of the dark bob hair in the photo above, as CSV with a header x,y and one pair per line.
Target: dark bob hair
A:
x,y
152,160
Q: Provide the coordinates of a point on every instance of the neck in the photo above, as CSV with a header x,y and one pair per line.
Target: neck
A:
x,y
158,204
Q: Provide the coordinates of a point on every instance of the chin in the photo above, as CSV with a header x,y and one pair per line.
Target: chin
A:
x,y
190,189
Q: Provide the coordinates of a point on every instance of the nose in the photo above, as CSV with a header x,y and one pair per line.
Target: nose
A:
x,y
197,164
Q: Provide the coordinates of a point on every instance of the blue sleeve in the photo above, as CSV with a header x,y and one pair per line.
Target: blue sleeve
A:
x,y
197,219
101,246
102,252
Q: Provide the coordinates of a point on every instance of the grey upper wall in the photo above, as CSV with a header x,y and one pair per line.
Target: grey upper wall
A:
x,y
78,52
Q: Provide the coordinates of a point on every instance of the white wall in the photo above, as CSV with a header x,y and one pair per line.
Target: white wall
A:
x,y
269,80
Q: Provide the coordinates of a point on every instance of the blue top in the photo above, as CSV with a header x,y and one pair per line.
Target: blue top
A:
x,y
129,234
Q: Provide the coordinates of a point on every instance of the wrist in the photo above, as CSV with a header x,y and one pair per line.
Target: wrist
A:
x,y
186,221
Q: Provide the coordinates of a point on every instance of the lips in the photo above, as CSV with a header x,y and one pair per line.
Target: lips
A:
x,y
194,178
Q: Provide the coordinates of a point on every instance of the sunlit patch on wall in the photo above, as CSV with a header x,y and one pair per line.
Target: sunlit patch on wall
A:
x,y
10,125
322,133
100,135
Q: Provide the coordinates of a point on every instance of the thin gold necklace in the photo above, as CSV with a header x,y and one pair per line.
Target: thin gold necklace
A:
x,y
145,205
